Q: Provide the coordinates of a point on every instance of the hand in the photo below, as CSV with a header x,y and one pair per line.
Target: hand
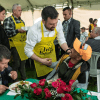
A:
x,y
21,30
13,75
3,88
47,61
68,51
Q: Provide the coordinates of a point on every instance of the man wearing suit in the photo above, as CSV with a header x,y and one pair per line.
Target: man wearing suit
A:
x,y
71,27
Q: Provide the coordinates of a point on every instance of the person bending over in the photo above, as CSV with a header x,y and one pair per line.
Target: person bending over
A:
x,y
6,73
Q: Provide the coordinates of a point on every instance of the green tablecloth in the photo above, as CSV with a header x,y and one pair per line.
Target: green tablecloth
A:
x,y
4,96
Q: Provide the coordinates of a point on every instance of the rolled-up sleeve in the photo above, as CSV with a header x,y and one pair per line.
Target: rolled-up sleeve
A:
x,y
9,27
60,35
30,42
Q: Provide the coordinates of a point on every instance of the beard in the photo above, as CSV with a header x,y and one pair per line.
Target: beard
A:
x,y
50,29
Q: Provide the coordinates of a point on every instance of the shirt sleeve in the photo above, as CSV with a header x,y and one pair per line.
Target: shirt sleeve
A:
x,y
86,34
9,27
60,35
31,41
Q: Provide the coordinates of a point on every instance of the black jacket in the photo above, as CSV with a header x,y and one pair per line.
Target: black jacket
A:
x,y
73,31
5,77
3,38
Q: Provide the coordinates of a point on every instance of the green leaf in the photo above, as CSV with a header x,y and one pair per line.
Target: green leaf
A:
x,y
20,86
23,92
88,98
25,87
32,99
46,83
78,97
30,91
51,98
40,99
22,95
43,94
16,90
16,96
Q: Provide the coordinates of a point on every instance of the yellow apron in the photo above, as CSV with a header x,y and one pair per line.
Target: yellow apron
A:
x,y
92,26
44,49
18,40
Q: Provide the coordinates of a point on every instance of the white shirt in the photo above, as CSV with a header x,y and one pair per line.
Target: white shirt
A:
x,y
83,37
34,36
97,38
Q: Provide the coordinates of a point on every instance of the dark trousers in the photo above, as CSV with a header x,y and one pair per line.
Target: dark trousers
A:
x,y
57,50
18,64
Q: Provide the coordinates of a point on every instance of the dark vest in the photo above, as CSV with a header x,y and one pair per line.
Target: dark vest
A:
x,y
66,73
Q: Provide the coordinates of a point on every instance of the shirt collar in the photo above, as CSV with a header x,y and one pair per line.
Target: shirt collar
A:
x,y
68,20
16,18
97,38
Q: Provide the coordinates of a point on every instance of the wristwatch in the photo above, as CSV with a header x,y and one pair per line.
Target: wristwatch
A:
x,y
67,51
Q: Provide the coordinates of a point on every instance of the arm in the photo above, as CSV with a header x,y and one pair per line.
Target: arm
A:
x,y
64,46
86,35
32,40
46,61
12,75
3,38
90,28
9,27
86,39
3,88
60,37
77,29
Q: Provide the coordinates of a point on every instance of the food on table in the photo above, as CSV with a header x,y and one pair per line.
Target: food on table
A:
x,y
19,83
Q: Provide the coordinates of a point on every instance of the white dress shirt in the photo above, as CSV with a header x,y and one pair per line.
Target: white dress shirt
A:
x,y
34,36
97,38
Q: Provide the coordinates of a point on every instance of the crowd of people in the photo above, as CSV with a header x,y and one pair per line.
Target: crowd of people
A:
x,y
38,45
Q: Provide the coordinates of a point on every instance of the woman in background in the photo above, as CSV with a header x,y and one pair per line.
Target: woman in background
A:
x,y
91,26
95,22
3,36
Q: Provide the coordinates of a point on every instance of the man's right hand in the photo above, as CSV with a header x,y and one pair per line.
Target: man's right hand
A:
x,y
47,61
21,31
3,88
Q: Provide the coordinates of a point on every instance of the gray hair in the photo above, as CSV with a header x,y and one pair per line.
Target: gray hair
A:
x,y
15,6
97,30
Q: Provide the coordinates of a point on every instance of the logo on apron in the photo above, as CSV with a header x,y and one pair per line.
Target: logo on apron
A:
x,y
46,49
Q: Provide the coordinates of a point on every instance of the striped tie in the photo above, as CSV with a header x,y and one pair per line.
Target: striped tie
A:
x,y
65,28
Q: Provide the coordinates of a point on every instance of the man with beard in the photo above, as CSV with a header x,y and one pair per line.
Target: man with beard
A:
x,y
40,41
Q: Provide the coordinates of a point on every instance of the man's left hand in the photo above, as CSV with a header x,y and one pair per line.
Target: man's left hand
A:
x,y
13,75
